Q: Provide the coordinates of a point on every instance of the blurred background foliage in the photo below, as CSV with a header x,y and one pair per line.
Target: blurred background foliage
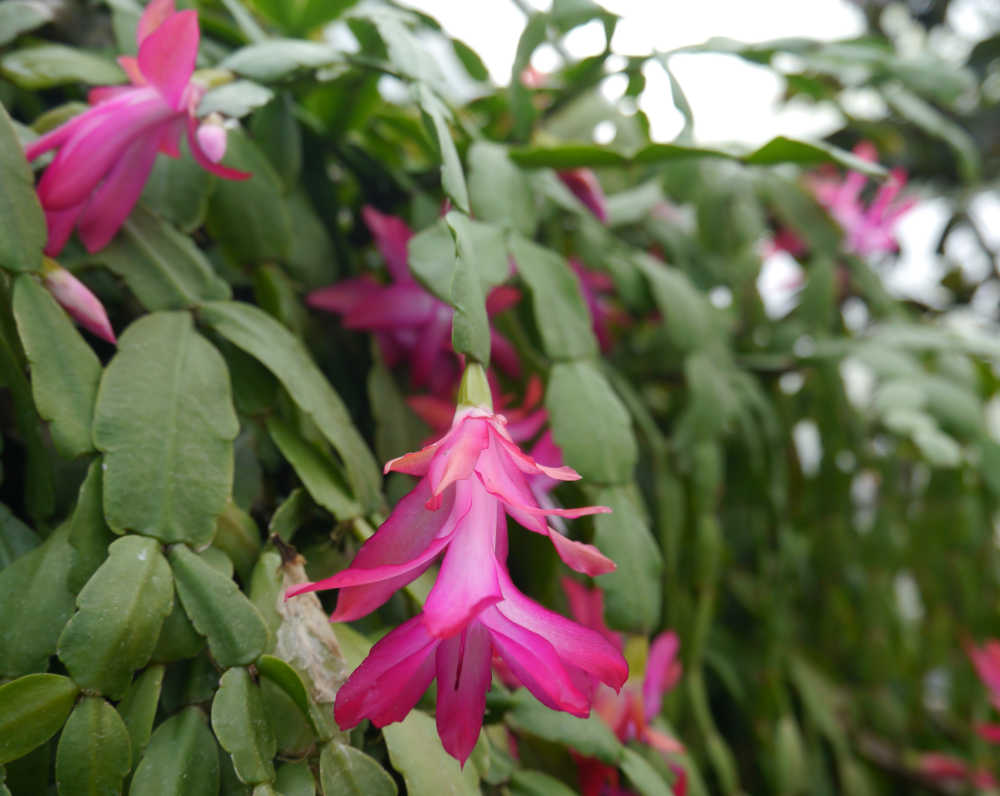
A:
x,y
805,476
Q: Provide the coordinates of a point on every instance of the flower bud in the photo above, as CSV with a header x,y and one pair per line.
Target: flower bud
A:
x,y
75,297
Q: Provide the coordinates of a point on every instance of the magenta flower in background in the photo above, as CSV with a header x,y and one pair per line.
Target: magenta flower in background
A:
x,y
470,480
868,230
986,659
77,299
585,187
629,711
105,154
942,768
604,315
410,324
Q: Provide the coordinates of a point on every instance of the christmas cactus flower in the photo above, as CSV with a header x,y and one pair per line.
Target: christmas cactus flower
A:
x,y
470,480
868,230
410,324
629,711
986,659
105,155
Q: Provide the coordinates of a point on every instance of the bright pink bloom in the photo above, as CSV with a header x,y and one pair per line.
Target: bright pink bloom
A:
x,y
943,768
106,153
470,480
628,711
410,324
604,315
868,230
75,297
585,187
986,659
557,660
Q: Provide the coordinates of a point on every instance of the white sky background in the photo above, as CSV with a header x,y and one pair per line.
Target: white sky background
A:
x,y
732,101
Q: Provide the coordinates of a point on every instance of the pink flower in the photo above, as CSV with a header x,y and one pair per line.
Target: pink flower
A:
x,y
944,768
75,297
556,659
604,315
409,323
470,480
585,187
868,230
105,154
986,659
628,711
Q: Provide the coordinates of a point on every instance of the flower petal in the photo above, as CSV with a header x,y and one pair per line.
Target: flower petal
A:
x,y
202,159
392,235
662,672
467,582
152,17
457,457
401,538
388,683
534,662
581,646
432,343
393,306
342,297
60,224
115,197
167,55
463,677
97,145
581,556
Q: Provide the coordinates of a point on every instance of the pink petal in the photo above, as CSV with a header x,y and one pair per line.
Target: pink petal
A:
x,y
581,556
457,457
434,336
504,354
524,428
106,93
392,235
393,306
167,55
202,159
57,137
991,732
152,17
463,676
170,138
131,67
343,296
467,582
435,412
526,464
97,144
586,605
406,534
60,224
388,683
501,298
409,530
534,662
581,646
115,197
82,305
662,672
